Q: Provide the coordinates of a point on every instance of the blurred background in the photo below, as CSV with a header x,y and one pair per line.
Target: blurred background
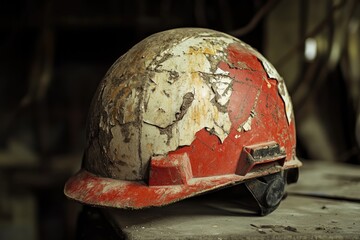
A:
x,y
54,53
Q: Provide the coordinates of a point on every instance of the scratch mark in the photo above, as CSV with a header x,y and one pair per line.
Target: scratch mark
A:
x,y
188,98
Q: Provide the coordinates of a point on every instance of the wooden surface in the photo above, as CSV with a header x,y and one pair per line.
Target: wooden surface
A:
x,y
324,204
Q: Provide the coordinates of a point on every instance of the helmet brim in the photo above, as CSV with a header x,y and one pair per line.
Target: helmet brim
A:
x,y
90,189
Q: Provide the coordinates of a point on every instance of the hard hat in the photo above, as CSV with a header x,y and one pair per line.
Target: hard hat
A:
x,y
183,112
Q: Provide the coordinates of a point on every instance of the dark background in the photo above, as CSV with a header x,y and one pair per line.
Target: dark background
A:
x,y
54,53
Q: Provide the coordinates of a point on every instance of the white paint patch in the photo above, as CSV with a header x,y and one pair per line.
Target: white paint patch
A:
x,y
163,99
122,98
188,59
123,151
221,72
247,125
222,86
130,106
286,98
155,143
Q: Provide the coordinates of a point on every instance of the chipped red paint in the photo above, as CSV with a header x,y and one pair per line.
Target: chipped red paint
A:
x,y
252,91
257,115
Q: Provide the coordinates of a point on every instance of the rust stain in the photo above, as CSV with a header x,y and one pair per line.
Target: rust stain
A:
x,y
202,50
149,147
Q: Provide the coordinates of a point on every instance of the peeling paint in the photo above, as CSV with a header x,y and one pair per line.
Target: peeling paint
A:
x,y
286,98
247,125
189,58
222,87
121,153
185,92
188,116
164,90
188,98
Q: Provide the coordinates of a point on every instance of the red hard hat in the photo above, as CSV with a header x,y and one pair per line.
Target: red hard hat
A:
x,y
183,112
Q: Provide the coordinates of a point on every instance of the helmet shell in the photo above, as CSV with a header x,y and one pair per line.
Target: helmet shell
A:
x,y
182,112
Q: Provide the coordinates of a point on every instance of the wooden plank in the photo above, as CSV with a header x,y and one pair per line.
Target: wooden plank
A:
x,y
215,217
328,180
